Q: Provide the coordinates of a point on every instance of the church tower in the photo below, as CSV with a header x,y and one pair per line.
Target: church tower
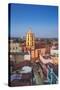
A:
x,y
30,40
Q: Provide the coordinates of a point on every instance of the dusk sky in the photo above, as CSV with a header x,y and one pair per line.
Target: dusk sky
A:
x,y
42,19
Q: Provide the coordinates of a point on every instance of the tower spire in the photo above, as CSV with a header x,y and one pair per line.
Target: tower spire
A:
x,y
30,39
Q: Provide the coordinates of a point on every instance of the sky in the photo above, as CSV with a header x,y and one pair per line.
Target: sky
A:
x,y
42,19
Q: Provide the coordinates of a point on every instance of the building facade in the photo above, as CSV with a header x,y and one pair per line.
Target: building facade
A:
x,y
15,47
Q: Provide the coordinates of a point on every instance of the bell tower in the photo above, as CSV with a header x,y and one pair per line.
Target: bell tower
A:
x,y
30,39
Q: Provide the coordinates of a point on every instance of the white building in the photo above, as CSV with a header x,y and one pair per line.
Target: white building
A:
x,y
54,51
27,57
15,47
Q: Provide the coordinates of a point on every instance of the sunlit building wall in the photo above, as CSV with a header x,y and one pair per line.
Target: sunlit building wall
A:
x,y
30,40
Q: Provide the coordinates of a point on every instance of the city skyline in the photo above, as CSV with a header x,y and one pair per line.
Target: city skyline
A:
x,y
42,19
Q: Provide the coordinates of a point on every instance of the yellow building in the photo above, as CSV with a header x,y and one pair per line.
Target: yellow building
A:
x,y
30,40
